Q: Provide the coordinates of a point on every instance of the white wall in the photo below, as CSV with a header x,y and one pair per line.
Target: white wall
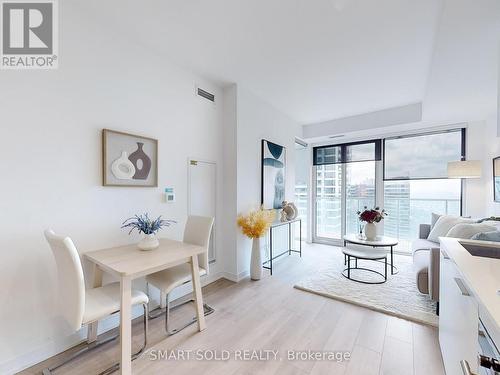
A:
x,y
482,144
248,120
51,165
230,210
258,120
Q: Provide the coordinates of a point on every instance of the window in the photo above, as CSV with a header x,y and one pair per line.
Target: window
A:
x,y
345,183
422,156
328,202
413,176
360,191
416,183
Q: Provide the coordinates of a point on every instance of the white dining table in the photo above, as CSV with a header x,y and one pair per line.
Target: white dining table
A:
x,y
129,263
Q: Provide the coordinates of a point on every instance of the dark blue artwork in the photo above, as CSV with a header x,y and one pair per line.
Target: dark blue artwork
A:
x,y
273,175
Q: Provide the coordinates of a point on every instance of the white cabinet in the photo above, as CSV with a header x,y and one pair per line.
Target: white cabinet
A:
x,y
458,318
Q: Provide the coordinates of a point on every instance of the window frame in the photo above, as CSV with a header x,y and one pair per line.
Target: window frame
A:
x,y
343,151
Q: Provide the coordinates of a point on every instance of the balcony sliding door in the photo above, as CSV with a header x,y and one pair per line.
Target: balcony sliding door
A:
x,y
344,182
329,202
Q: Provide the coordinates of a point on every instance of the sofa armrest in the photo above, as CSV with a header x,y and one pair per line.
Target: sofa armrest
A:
x,y
434,273
424,231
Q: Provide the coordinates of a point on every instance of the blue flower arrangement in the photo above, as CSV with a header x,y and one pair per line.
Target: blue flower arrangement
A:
x,y
145,225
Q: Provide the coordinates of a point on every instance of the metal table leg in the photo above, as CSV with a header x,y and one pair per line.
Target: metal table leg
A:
x,y
271,251
348,266
392,261
300,238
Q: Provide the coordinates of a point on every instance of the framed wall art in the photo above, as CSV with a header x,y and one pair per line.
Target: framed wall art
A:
x,y
272,175
129,160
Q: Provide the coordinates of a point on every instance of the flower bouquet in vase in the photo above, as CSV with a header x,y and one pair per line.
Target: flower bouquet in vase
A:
x,y
254,225
371,217
148,227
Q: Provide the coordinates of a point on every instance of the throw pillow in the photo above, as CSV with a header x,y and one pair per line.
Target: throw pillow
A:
x,y
434,219
443,226
467,231
487,236
495,224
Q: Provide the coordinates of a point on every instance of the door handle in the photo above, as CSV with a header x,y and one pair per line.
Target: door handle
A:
x,y
462,287
466,368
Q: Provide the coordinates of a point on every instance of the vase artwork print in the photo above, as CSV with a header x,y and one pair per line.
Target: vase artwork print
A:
x,y
129,160
273,175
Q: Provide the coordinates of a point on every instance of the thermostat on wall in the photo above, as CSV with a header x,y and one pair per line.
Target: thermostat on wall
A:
x,y
169,195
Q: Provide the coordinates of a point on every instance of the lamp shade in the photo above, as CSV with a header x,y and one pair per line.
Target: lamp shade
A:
x,y
464,169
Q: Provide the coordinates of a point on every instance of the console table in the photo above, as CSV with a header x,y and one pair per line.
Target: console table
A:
x,y
289,250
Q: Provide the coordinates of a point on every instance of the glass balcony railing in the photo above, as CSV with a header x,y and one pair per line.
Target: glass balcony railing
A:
x,y
405,216
403,220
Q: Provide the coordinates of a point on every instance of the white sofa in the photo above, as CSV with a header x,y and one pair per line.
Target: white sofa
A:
x,y
426,260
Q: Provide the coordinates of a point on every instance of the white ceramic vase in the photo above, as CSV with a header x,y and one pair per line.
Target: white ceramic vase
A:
x,y
371,231
122,168
149,242
256,260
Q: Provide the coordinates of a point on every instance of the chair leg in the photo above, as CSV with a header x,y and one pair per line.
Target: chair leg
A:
x,y
116,366
206,308
155,313
96,344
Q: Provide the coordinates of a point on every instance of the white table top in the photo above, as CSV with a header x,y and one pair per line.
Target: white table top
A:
x,y
366,253
130,261
380,241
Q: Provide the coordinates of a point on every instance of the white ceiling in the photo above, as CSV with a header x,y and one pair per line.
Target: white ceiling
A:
x,y
314,60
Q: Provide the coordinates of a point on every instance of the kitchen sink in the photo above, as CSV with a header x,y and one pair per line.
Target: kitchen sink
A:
x,y
486,249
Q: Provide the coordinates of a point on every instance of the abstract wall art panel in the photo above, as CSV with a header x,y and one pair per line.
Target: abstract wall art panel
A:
x,y
129,160
273,175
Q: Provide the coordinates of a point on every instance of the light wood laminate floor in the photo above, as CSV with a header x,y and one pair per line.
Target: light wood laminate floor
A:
x,y
271,315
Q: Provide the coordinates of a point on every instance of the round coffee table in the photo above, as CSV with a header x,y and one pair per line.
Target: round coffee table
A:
x,y
366,254
380,241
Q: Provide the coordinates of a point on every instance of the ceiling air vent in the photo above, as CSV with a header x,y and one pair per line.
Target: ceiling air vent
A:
x,y
206,95
336,136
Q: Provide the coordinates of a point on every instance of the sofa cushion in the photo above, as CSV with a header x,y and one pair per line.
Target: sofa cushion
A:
x,y
487,236
444,224
467,231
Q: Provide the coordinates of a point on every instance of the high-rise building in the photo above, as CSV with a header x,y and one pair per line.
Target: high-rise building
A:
x,y
397,204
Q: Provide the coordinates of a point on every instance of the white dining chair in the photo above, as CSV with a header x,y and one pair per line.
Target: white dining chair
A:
x,y
80,307
197,232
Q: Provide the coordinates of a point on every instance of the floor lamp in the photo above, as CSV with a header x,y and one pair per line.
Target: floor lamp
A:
x,y
464,169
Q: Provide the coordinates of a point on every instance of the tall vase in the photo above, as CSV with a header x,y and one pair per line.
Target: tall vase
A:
x,y
370,231
256,260
142,169
122,168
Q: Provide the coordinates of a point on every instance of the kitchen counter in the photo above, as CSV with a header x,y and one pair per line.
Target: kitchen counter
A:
x,y
483,277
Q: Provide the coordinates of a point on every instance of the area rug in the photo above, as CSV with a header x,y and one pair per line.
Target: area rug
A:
x,y
398,296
